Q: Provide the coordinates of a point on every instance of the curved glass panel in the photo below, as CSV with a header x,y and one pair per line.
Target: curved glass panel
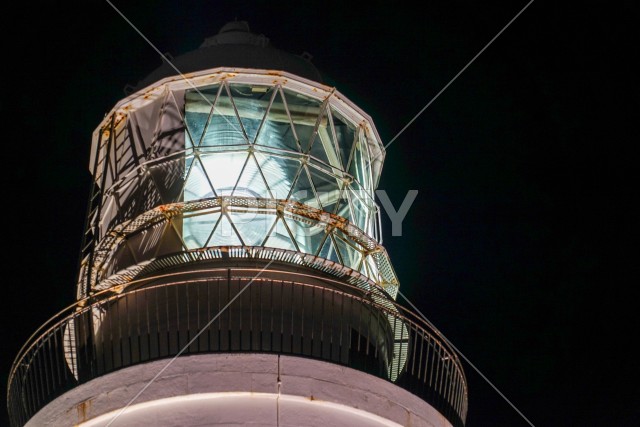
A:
x,y
253,138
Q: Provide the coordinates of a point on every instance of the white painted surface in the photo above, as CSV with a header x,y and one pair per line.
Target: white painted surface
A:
x,y
239,389
234,408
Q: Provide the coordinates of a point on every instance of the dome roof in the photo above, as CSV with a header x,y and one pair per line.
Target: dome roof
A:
x,y
235,46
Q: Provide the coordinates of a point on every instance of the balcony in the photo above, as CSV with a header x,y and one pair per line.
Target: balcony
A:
x,y
244,308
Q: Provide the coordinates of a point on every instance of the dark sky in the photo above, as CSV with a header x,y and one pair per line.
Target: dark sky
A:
x,y
521,244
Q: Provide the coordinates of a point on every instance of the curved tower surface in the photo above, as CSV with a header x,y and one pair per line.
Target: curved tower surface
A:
x,y
232,271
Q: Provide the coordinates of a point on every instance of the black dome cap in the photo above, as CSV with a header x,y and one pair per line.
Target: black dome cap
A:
x,y
235,46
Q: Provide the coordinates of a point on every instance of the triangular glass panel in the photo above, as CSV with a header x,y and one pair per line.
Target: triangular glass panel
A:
x,y
362,265
343,206
271,229
322,147
330,204
251,182
328,250
251,102
360,166
326,185
308,235
302,190
197,185
252,226
304,113
279,172
223,169
199,107
277,129
372,269
295,231
359,211
345,133
350,255
196,229
363,194
224,234
224,126
303,232
363,207
279,238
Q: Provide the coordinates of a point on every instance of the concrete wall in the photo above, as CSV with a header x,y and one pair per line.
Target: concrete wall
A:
x,y
238,389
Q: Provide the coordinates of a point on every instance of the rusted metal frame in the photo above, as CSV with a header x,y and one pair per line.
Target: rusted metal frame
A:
x,y
288,209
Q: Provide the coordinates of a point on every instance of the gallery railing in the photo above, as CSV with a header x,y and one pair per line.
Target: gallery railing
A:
x,y
225,315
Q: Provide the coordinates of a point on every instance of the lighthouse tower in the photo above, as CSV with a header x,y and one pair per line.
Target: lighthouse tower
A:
x,y
231,271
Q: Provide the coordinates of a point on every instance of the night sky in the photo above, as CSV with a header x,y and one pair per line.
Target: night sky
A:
x,y
521,244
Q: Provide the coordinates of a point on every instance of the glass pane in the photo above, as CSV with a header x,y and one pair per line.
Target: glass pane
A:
x,y
277,129
251,183
327,188
343,206
279,238
251,101
350,256
302,190
198,109
372,268
252,226
323,147
223,170
359,167
363,266
168,178
359,212
171,126
304,113
308,236
279,172
328,250
345,133
197,185
196,229
361,207
224,234
222,127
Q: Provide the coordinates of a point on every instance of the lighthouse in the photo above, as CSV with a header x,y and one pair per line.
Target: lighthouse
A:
x,y
232,270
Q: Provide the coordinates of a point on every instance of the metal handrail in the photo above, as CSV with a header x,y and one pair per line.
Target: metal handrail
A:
x,y
108,245
432,370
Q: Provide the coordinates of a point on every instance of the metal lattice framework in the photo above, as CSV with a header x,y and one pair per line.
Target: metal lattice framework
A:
x,y
308,158
337,240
